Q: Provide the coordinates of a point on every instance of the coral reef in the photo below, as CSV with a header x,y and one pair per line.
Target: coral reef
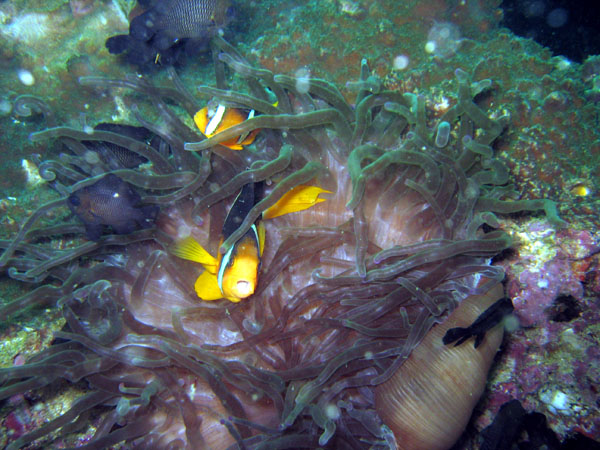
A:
x,y
551,149
549,264
551,363
344,296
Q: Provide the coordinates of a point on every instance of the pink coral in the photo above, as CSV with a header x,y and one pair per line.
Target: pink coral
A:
x,y
552,281
534,284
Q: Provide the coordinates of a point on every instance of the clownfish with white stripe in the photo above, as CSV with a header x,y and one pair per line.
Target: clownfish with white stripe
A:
x,y
213,119
234,275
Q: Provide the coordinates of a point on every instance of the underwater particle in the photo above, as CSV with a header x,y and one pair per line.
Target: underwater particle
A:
x,y
534,9
429,47
91,157
400,62
26,77
87,129
5,107
511,324
332,411
302,80
557,18
443,40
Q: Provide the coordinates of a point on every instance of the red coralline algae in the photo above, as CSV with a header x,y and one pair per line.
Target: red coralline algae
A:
x,y
550,264
551,363
535,290
15,422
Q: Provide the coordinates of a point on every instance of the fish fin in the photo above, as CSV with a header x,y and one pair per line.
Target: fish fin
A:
x,y
297,199
147,215
93,231
232,145
207,287
247,138
118,44
478,339
124,227
228,119
190,249
261,237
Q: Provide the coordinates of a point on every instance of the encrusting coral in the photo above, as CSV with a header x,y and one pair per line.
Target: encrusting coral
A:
x,y
347,289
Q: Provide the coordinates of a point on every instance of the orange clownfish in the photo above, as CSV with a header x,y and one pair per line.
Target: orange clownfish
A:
x,y
211,121
234,275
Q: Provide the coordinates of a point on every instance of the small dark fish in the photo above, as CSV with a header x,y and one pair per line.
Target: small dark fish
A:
x,y
168,28
505,428
115,156
486,320
539,434
514,427
111,202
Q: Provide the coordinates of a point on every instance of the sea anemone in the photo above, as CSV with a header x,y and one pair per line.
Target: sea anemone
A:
x,y
347,289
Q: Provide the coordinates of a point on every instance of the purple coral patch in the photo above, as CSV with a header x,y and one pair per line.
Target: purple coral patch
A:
x,y
534,287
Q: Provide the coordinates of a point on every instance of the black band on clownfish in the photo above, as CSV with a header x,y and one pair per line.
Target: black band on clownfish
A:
x,y
234,275
238,267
